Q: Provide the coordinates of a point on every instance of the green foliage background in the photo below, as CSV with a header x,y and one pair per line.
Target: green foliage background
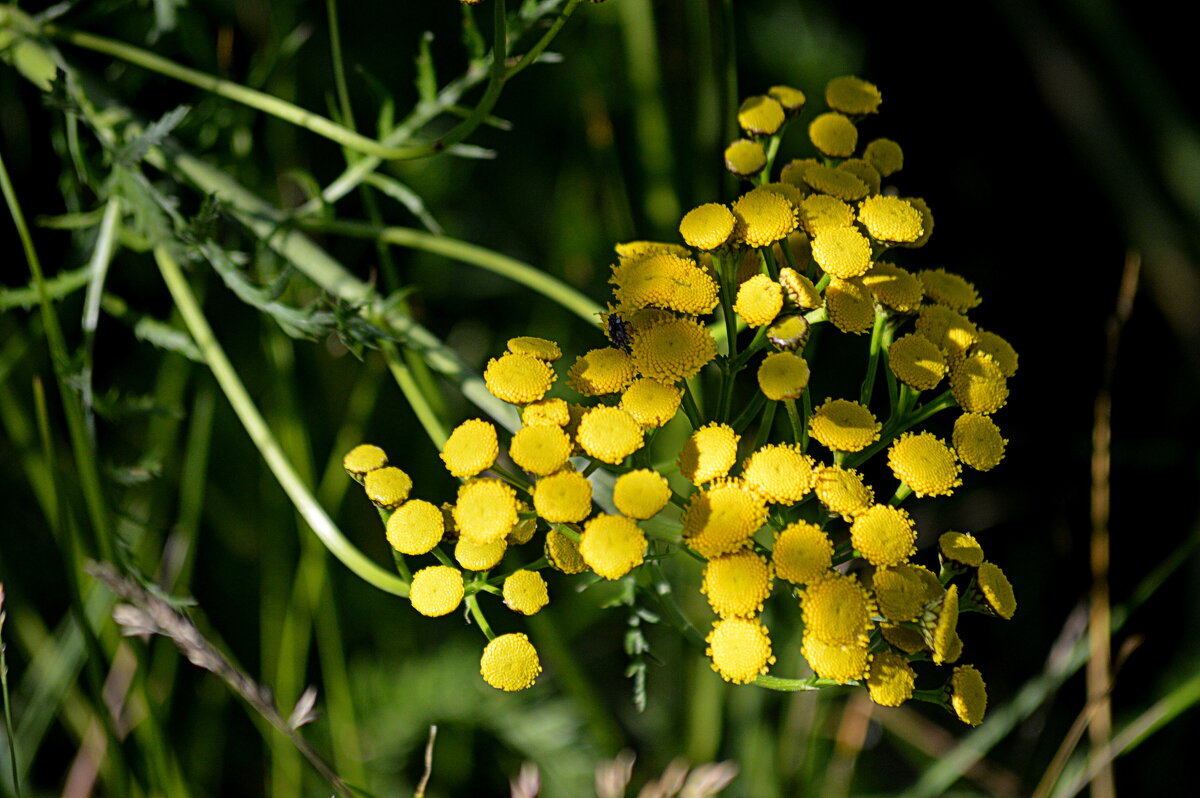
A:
x,y
1049,139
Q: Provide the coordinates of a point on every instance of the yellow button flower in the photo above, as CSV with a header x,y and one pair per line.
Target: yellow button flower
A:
x,y
541,348
996,590
740,649
789,333
783,375
844,426
977,383
644,249
641,494
760,115
850,305
664,281
962,548
485,510
436,590
939,625
843,491
819,211
916,361
800,290
709,453
885,155
525,592
609,434
925,463
926,222
865,172
673,350
902,591
949,289
479,556
890,680
548,411
471,448
890,220
563,553
853,96
791,99
780,473
998,349
518,379
510,662
763,217
363,459
564,497
387,487
968,695
707,227
840,663
894,287
838,183
803,553
884,535
612,545
833,135
837,610
745,158
759,300
415,528
722,519
601,371
650,402
841,252
949,329
540,450
978,442
737,584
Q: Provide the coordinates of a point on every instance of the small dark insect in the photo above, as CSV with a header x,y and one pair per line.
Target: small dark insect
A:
x,y
616,329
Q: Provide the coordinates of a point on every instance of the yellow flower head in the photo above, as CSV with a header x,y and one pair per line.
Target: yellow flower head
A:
x,y
609,434
821,211
962,548
803,553
363,459
926,222
884,535
791,193
799,290
635,250
737,584
793,173
890,680
760,115
839,663
837,610
791,99
850,305
523,531
852,96
548,411
612,545
651,403
916,361
789,333
707,227
903,591
479,556
436,590
518,379
968,695
471,448
416,527
885,155
763,217
998,349
842,252
722,519
843,491
601,371
641,494
664,281
996,590
939,625
740,649
672,351
541,348
977,441
783,375
745,158
387,487
949,329
844,426
833,135
925,463
510,662
949,289
759,300
903,638
890,220
838,183
894,287
540,450
485,511
977,383
780,473
563,553
525,592
563,497
865,172
709,453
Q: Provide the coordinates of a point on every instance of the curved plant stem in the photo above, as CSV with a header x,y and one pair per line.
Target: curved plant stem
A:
x,y
477,614
263,439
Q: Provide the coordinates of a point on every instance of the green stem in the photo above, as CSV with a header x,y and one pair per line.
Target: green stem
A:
x,y
760,340
690,408
797,685
421,406
764,426
402,566
264,440
868,385
799,432
902,492
936,405
532,54
807,400
751,410
475,255
768,256
477,614
339,65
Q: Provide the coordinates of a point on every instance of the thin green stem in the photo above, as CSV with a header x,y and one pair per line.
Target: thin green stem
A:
x,y
262,437
797,685
531,55
759,341
690,408
339,65
748,413
477,614
902,492
799,432
868,385
764,426
768,256
443,557
936,405
806,399
402,566
432,424
510,268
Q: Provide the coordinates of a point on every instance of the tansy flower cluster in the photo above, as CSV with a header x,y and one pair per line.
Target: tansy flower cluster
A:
x,y
792,498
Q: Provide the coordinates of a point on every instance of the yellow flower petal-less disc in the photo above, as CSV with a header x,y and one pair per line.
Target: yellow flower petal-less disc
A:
x,y
672,351
820,211
842,664
722,519
800,290
902,591
387,487
540,450
518,379
552,411
759,300
977,441
949,289
612,545
416,527
791,99
841,252
977,383
947,328
650,402
510,662
962,548
837,610
737,584
760,115
885,155
996,589
641,494
833,135
563,553
890,680
740,649
997,349
894,287
485,510
925,463
840,183
601,371
563,497
917,362
436,590
763,217
843,491
780,473
850,305
479,556
890,220
783,375
707,227
853,96
803,553
541,348
709,453
525,592
968,695
745,158
844,426
884,535
609,434
363,459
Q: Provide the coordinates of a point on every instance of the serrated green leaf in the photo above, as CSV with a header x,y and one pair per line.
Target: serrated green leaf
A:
x,y
153,136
